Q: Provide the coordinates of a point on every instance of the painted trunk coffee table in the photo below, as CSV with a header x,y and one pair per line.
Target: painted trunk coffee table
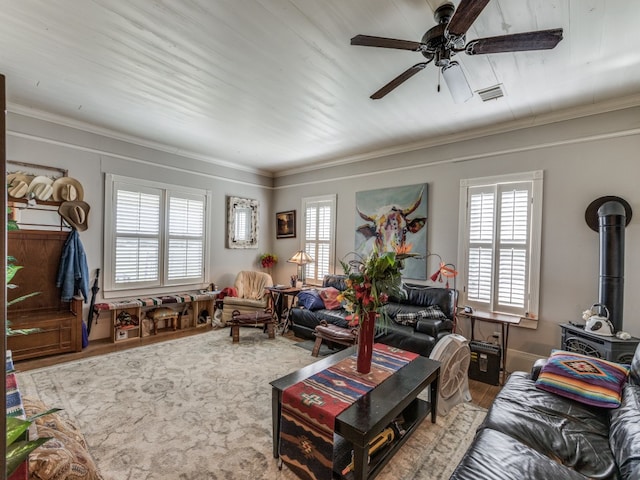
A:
x,y
364,421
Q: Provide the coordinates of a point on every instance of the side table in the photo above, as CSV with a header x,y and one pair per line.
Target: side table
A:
x,y
505,321
280,303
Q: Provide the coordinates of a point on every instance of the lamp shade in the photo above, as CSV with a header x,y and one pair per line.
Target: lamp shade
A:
x,y
300,258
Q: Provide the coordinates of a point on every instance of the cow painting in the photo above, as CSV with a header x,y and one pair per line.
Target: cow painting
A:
x,y
395,219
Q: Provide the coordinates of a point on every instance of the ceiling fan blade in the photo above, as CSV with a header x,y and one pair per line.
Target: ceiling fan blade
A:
x,y
399,80
464,16
457,82
369,41
518,42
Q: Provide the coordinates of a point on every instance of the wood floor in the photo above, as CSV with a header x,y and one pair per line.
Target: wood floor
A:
x,y
481,393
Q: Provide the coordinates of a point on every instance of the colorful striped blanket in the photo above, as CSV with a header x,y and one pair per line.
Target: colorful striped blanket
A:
x,y
310,407
151,301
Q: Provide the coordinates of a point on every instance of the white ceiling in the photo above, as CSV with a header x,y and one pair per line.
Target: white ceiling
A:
x,y
274,85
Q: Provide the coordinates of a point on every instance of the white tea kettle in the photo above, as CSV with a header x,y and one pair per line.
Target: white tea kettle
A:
x,y
598,324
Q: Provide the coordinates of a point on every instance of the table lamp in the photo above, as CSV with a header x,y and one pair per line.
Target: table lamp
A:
x,y
300,258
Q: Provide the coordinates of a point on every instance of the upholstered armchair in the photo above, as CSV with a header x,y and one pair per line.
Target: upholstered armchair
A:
x,y
252,296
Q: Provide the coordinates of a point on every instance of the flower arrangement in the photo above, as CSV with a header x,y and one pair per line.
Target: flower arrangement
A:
x,y
372,280
268,260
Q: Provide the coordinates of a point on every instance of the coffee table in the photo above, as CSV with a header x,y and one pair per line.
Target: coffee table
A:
x,y
359,424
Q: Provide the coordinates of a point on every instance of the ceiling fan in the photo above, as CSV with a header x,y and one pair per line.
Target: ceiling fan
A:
x,y
440,43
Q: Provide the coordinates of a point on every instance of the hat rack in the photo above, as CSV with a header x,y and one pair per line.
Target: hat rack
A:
x,y
18,204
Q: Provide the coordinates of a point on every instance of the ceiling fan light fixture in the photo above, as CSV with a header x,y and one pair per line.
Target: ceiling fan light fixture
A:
x,y
457,83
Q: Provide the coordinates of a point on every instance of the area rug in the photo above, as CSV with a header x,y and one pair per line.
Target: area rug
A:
x,y
200,408
324,349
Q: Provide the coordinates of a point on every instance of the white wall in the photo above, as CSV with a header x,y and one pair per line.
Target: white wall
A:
x,y
88,157
582,160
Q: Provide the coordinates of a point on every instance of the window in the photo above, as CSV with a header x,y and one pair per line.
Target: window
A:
x,y
499,243
319,235
154,235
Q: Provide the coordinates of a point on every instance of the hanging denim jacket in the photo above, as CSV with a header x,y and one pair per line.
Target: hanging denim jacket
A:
x,y
73,272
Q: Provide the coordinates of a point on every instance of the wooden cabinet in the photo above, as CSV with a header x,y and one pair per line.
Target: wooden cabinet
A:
x,y
59,323
58,332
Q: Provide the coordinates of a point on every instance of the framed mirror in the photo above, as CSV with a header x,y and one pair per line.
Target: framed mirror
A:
x,y
242,222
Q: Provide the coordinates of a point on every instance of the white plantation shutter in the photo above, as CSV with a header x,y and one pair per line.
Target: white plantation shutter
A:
x,y
499,243
137,247
481,233
185,251
154,235
319,228
514,220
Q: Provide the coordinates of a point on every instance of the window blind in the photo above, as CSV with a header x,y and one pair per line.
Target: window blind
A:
x,y
186,238
498,252
137,245
155,235
319,220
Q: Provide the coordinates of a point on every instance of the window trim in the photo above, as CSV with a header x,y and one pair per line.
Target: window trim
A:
x,y
332,199
110,288
536,178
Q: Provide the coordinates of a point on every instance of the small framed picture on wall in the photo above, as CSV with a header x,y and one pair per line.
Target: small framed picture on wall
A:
x,y
286,224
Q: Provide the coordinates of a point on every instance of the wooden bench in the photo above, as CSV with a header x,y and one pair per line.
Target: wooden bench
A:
x,y
335,334
251,319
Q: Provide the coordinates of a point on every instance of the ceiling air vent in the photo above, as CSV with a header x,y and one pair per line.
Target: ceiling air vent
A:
x,y
491,93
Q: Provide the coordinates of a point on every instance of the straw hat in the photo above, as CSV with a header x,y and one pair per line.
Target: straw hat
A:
x,y
76,213
18,184
41,187
67,189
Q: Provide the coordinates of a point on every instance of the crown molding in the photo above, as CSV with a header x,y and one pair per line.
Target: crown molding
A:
x,y
504,127
105,132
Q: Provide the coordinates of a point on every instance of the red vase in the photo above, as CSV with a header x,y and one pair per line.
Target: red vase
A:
x,y
365,343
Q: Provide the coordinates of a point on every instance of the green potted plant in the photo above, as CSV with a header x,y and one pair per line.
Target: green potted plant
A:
x,y
18,446
12,269
370,282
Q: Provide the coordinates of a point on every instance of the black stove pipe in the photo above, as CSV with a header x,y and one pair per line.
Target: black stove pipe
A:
x,y
611,221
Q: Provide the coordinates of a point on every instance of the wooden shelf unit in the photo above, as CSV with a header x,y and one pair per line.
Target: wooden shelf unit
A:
x,y
189,312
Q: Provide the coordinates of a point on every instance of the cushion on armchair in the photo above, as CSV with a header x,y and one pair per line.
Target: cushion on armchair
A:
x,y
251,294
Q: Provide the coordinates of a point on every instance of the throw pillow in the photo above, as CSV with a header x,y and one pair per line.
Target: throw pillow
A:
x,y
310,299
433,312
589,380
406,318
329,296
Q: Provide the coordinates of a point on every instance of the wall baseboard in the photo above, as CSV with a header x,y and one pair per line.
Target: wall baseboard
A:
x,y
520,361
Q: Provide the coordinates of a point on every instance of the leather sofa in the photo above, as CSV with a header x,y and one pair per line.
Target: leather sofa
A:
x,y
419,338
533,434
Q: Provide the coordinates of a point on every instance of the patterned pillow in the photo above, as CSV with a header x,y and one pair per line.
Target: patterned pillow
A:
x,y
329,297
433,312
65,455
589,380
406,318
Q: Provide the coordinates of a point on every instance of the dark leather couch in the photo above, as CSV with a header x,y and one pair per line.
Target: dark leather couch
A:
x,y
419,338
530,434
